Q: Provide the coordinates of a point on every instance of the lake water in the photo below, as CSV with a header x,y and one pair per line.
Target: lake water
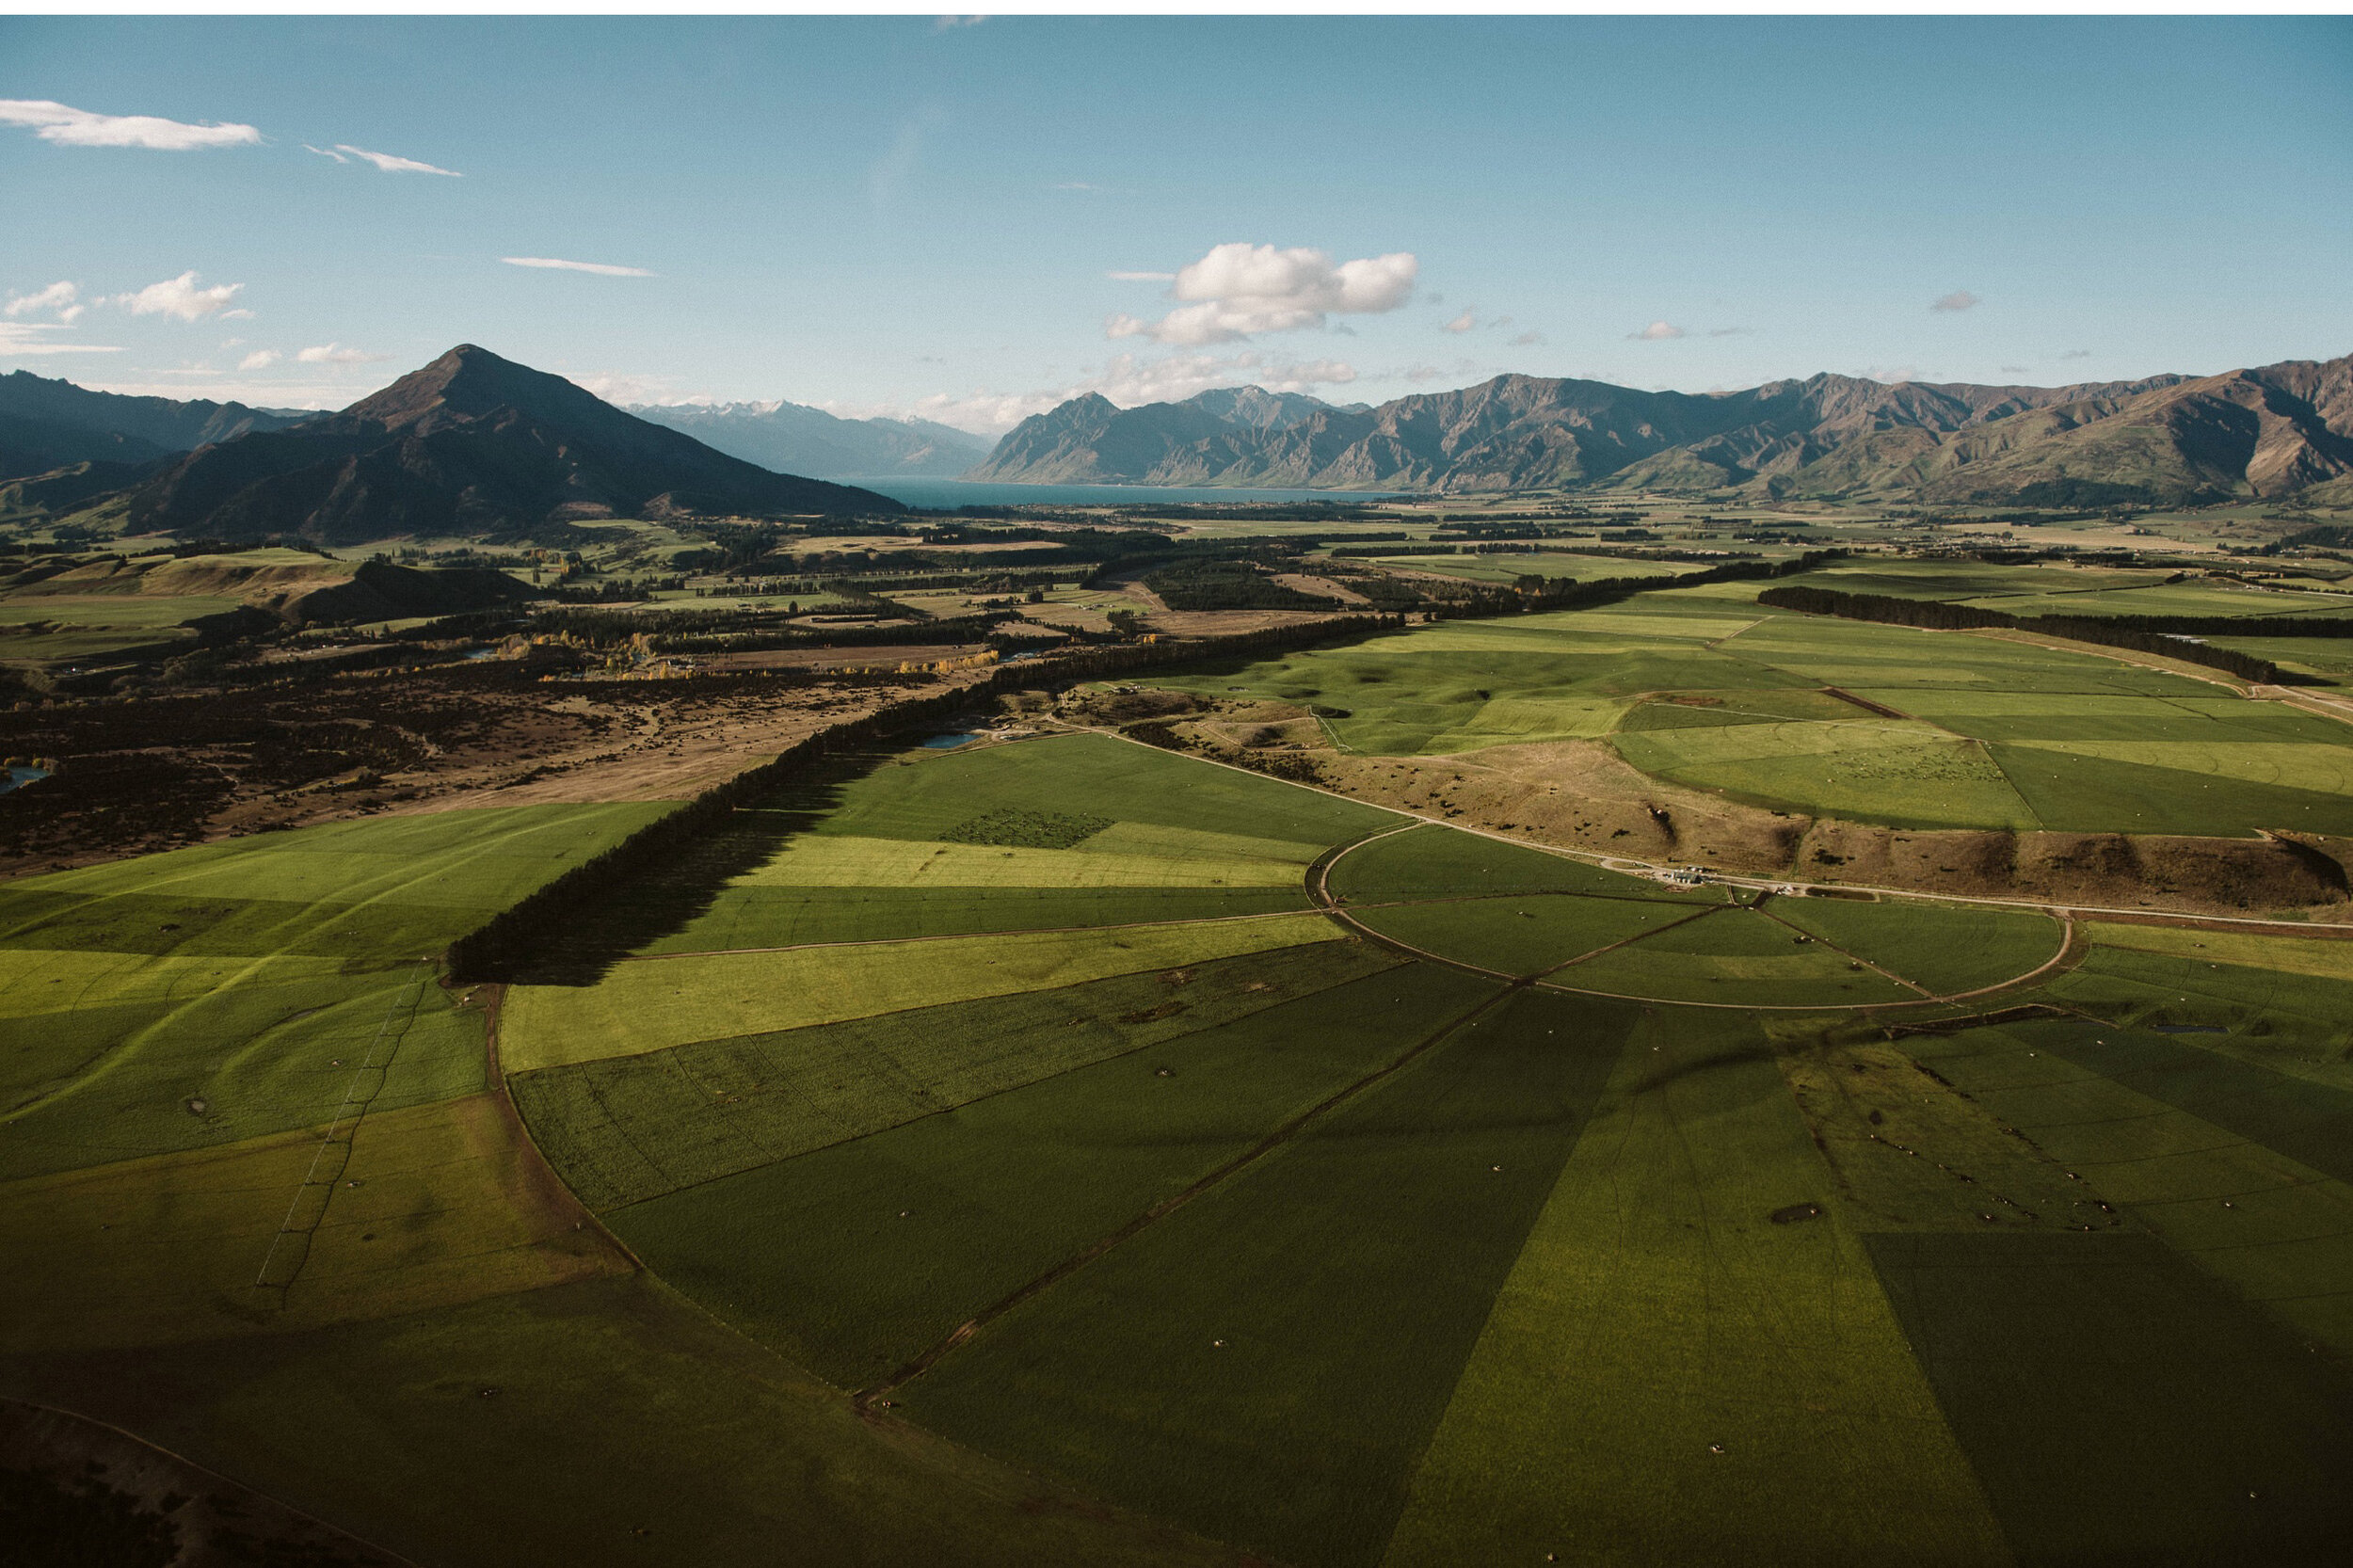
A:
x,y
947,494
941,743
12,777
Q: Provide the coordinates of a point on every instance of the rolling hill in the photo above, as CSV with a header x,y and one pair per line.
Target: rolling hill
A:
x,y
470,445
792,438
2263,432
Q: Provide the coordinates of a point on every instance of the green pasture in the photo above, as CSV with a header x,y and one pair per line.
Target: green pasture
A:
x,y
855,1258
653,1004
1994,732
1945,947
1523,934
627,1129
620,1425
1554,563
1435,861
1733,956
1669,1377
926,799
1266,1364
754,918
111,612
1211,1220
206,996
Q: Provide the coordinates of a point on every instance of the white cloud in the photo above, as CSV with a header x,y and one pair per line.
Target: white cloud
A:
x,y
1960,299
1657,332
180,297
602,269
59,298
1141,277
72,127
2077,354
261,359
336,354
388,164
326,152
19,338
1241,290
1079,185
1527,340
1462,322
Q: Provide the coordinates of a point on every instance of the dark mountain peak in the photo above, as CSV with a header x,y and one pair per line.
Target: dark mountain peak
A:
x,y
470,445
470,382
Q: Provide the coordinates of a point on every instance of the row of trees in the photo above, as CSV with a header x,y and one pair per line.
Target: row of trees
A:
x,y
510,941
2107,632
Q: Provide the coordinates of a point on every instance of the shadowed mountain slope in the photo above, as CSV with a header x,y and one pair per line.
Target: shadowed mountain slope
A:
x,y
47,424
472,445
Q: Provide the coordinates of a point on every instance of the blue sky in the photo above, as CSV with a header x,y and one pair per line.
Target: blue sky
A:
x,y
898,215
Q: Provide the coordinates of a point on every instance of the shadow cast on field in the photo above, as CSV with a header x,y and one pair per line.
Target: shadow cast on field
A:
x,y
637,909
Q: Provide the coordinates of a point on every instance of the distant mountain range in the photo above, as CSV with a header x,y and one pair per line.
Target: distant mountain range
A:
x,y
472,445
2270,431
791,438
47,424
476,446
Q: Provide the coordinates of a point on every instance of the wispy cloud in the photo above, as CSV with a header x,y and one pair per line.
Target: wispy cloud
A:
x,y
1960,299
261,359
890,172
1657,332
947,23
1730,331
1077,185
326,152
2016,370
180,297
388,163
1462,322
2077,354
72,127
1527,340
336,354
602,269
1240,290
18,338
59,299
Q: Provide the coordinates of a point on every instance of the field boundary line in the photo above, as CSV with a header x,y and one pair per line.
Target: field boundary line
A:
x,y
1853,957
1543,975
972,936
873,1398
492,1008
977,1099
409,995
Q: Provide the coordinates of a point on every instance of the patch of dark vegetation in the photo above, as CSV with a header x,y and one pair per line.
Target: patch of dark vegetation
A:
x,y
1229,585
1017,829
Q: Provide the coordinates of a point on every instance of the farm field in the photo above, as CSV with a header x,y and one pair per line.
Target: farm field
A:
x,y
1886,725
1542,563
1063,1150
